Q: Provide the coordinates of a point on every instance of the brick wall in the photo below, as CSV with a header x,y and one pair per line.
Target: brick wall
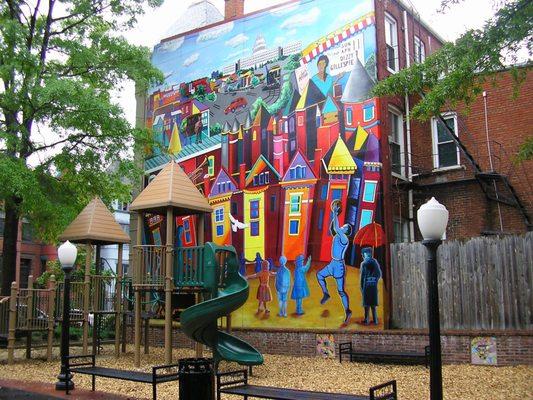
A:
x,y
513,347
233,9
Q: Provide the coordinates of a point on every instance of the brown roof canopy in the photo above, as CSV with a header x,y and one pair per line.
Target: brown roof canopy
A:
x,y
171,188
95,224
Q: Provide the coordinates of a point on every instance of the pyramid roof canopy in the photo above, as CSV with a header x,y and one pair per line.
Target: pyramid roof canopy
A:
x,y
95,224
358,86
171,188
338,159
330,106
260,164
299,160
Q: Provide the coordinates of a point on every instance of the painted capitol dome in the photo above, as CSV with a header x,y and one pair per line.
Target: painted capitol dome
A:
x,y
200,13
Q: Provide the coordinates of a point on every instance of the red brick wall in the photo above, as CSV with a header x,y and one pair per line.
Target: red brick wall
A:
x,y
233,9
510,122
513,348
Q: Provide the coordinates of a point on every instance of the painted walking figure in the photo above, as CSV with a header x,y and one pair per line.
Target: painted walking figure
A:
x,y
336,267
370,276
283,283
263,291
300,289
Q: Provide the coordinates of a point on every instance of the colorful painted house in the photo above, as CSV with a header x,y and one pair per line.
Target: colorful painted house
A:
x,y
220,198
298,186
261,197
338,166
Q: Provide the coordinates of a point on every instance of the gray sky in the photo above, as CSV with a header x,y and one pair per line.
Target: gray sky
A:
x,y
153,26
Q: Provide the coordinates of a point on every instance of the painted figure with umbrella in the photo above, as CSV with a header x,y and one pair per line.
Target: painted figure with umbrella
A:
x,y
368,238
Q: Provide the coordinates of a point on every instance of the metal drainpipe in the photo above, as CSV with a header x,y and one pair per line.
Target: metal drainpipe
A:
x,y
408,131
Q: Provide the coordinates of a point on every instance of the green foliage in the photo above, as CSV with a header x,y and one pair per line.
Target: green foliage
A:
x,y
526,151
283,99
293,62
212,97
456,72
59,126
255,81
215,129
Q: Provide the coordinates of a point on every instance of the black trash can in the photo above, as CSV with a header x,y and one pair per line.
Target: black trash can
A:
x,y
197,379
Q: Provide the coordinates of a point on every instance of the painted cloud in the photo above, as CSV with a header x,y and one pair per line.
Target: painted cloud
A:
x,y
191,59
237,40
302,19
170,46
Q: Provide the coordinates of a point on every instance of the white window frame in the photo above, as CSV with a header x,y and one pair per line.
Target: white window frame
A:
x,y
420,50
367,184
435,140
398,113
391,39
219,210
364,211
300,200
349,116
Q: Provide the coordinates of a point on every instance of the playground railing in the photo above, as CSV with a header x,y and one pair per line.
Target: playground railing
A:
x,y
149,265
77,295
4,315
32,309
103,293
189,266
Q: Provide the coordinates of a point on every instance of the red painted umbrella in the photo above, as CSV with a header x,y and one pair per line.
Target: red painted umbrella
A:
x,y
370,235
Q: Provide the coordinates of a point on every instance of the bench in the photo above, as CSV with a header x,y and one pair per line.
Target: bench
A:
x,y
89,368
236,383
410,358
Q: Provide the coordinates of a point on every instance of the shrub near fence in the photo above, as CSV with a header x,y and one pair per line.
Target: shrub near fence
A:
x,y
484,283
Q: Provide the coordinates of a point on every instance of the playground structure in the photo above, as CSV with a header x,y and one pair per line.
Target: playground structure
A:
x,y
208,271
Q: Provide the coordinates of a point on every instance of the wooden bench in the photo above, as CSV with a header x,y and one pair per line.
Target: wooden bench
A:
x,y
154,378
236,383
410,358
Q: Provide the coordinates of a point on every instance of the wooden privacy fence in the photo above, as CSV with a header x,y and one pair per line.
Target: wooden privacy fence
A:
x,y
484,283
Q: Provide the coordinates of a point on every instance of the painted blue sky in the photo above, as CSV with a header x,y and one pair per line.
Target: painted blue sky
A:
x,y
200,53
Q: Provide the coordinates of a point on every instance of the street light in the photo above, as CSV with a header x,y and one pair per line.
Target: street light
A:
x,y
432,220
66,253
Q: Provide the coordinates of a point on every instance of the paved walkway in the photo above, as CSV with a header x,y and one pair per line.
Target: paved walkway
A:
x,y
20,390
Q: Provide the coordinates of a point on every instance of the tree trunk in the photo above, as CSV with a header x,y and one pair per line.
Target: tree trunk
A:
x,y
9,249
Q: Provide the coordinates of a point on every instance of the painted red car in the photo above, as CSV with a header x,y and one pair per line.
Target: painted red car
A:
x,y
239,102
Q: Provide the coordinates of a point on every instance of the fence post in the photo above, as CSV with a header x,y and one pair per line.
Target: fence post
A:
x,y
118,302
86,291
51,319
12,323
29,316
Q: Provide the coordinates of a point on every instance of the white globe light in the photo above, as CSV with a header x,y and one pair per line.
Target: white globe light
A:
x,y
432,220
67,253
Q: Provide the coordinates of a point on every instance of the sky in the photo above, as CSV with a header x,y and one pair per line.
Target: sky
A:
x,y
153,26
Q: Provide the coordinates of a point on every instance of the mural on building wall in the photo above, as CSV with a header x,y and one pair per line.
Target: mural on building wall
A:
x,y
271,117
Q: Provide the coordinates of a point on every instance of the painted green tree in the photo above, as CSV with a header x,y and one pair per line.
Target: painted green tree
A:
x,y
60,128
456,72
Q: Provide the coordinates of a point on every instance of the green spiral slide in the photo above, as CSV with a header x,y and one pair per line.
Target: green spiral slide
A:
x,y
199,322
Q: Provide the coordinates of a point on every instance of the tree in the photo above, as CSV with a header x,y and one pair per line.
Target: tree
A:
x,y
456,72
59,63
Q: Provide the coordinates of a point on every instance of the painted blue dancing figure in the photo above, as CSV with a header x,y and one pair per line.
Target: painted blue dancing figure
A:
x,y
242,265
370,276
283,283
258,263
300,289
336,267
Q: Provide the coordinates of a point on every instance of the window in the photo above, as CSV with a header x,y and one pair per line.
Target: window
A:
x,y
219,214
295,203
220,230
368,113
187,231
391,41
401,230
263,133
254,209
396,142
254,228
300,120
366,218
211,165
272,203
369,194
349,116
420,50
234,209
445,151
320,219
324,192
294,227
254,135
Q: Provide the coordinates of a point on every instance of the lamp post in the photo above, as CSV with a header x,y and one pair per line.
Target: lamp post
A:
x,y
66,253
432,220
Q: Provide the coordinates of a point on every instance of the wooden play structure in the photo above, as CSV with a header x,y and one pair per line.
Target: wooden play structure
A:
x,y
33,309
